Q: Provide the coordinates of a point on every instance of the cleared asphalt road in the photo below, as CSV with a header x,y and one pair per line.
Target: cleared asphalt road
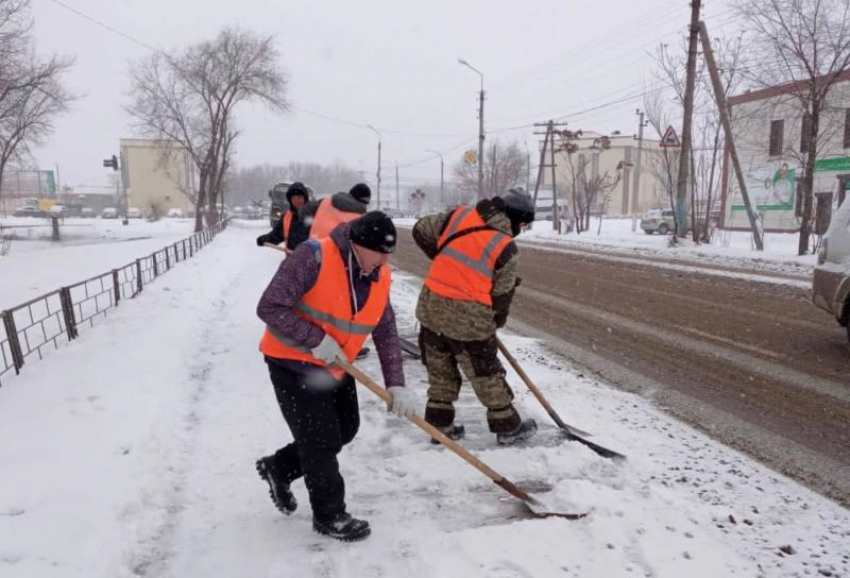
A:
x,y
752,363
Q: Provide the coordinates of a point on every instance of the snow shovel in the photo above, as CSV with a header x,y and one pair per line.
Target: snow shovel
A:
x,y
573,434
410,348
278,247
537,507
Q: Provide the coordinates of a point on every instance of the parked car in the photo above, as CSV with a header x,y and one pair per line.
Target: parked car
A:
x,y
109,213
29,211
58,211
175,213
134,213
661,221
831,280
87,213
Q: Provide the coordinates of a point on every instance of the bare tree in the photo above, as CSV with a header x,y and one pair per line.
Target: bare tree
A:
x,y
31,91
807,43
664,165
253,183
709,143
189,97
504,168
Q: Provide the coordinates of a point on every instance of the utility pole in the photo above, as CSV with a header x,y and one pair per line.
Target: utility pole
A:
x,y
723,109
480,128
495,189
481,141
550,133
556,211
636,181
378,172
684,159
397,199
442,187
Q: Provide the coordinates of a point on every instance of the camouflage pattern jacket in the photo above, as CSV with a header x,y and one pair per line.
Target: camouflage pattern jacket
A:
x,y
468,320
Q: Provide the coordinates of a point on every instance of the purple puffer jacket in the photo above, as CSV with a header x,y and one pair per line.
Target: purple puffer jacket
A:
x,y
297,275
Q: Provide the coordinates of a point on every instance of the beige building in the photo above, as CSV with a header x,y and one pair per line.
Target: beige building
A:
x,y
630,196
767,126
158,174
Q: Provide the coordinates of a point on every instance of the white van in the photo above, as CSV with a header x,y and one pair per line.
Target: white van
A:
x,y
831,281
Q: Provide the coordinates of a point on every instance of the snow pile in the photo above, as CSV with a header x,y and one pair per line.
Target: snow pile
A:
x,y
728,249
35,265
733,246
139,460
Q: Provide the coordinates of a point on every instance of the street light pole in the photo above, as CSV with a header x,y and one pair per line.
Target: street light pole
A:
x,y
442,193
480,128
378,172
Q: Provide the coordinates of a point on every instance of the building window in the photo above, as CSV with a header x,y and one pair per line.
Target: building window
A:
x,y
847,129
805,129
777,128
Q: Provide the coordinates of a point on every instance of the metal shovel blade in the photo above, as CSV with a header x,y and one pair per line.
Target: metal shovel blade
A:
x,y
540,509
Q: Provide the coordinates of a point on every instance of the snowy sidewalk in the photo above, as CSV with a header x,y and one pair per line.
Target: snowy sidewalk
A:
x,y
138,461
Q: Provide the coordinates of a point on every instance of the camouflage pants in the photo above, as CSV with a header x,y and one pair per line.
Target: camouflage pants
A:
x,y
443,357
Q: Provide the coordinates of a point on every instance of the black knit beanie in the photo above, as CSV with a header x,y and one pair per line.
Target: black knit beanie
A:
x,y
361,192
297,188
374,231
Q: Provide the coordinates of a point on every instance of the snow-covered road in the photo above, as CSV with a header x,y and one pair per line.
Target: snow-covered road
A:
x,y
130,453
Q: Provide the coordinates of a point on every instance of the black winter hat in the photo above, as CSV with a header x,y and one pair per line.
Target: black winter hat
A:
x,y
361,192
519,207
374,231
297,188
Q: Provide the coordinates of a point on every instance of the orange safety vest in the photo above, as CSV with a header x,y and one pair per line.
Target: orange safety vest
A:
x,y
328,305
287,221
463,270
326,219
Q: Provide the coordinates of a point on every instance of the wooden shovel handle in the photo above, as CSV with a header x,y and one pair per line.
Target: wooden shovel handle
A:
x,y
435,433
521,372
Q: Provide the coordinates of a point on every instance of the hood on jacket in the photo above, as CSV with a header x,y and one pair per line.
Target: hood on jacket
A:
x,y
493,211
347,203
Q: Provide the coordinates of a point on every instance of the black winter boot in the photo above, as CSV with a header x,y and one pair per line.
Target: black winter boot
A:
x,y
526,430
453,432
279,491
343,527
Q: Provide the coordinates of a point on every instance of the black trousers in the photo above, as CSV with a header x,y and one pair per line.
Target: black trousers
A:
x,y
322,420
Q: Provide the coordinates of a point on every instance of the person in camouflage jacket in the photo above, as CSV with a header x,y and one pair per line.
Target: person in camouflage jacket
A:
x,y
459,333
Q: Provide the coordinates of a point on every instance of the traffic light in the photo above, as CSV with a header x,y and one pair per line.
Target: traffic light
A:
x,y
111,163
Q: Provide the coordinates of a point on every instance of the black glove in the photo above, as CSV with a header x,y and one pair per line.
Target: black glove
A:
x,y
518,281
501,320
261,240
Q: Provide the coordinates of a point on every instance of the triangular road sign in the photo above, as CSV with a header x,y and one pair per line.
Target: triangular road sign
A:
x,y
670,140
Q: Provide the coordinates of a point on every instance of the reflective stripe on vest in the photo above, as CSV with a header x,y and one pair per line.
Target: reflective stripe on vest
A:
x,y
287,221
464,269
328,305
341,324
327,218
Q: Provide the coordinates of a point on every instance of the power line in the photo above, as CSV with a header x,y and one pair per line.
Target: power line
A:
x,y
107,27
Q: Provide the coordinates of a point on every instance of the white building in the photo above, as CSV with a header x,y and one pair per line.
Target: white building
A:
x,y
629,196
767,126
157,174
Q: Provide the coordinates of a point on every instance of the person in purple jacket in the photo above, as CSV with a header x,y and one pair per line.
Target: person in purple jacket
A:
x,y
321,409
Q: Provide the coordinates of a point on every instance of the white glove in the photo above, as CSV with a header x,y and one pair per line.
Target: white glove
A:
x,y
328,350
403,401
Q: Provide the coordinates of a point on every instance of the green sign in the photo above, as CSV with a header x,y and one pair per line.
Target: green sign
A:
x,y
833,164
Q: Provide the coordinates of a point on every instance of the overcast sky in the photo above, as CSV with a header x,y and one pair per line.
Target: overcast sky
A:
x,y
389,63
